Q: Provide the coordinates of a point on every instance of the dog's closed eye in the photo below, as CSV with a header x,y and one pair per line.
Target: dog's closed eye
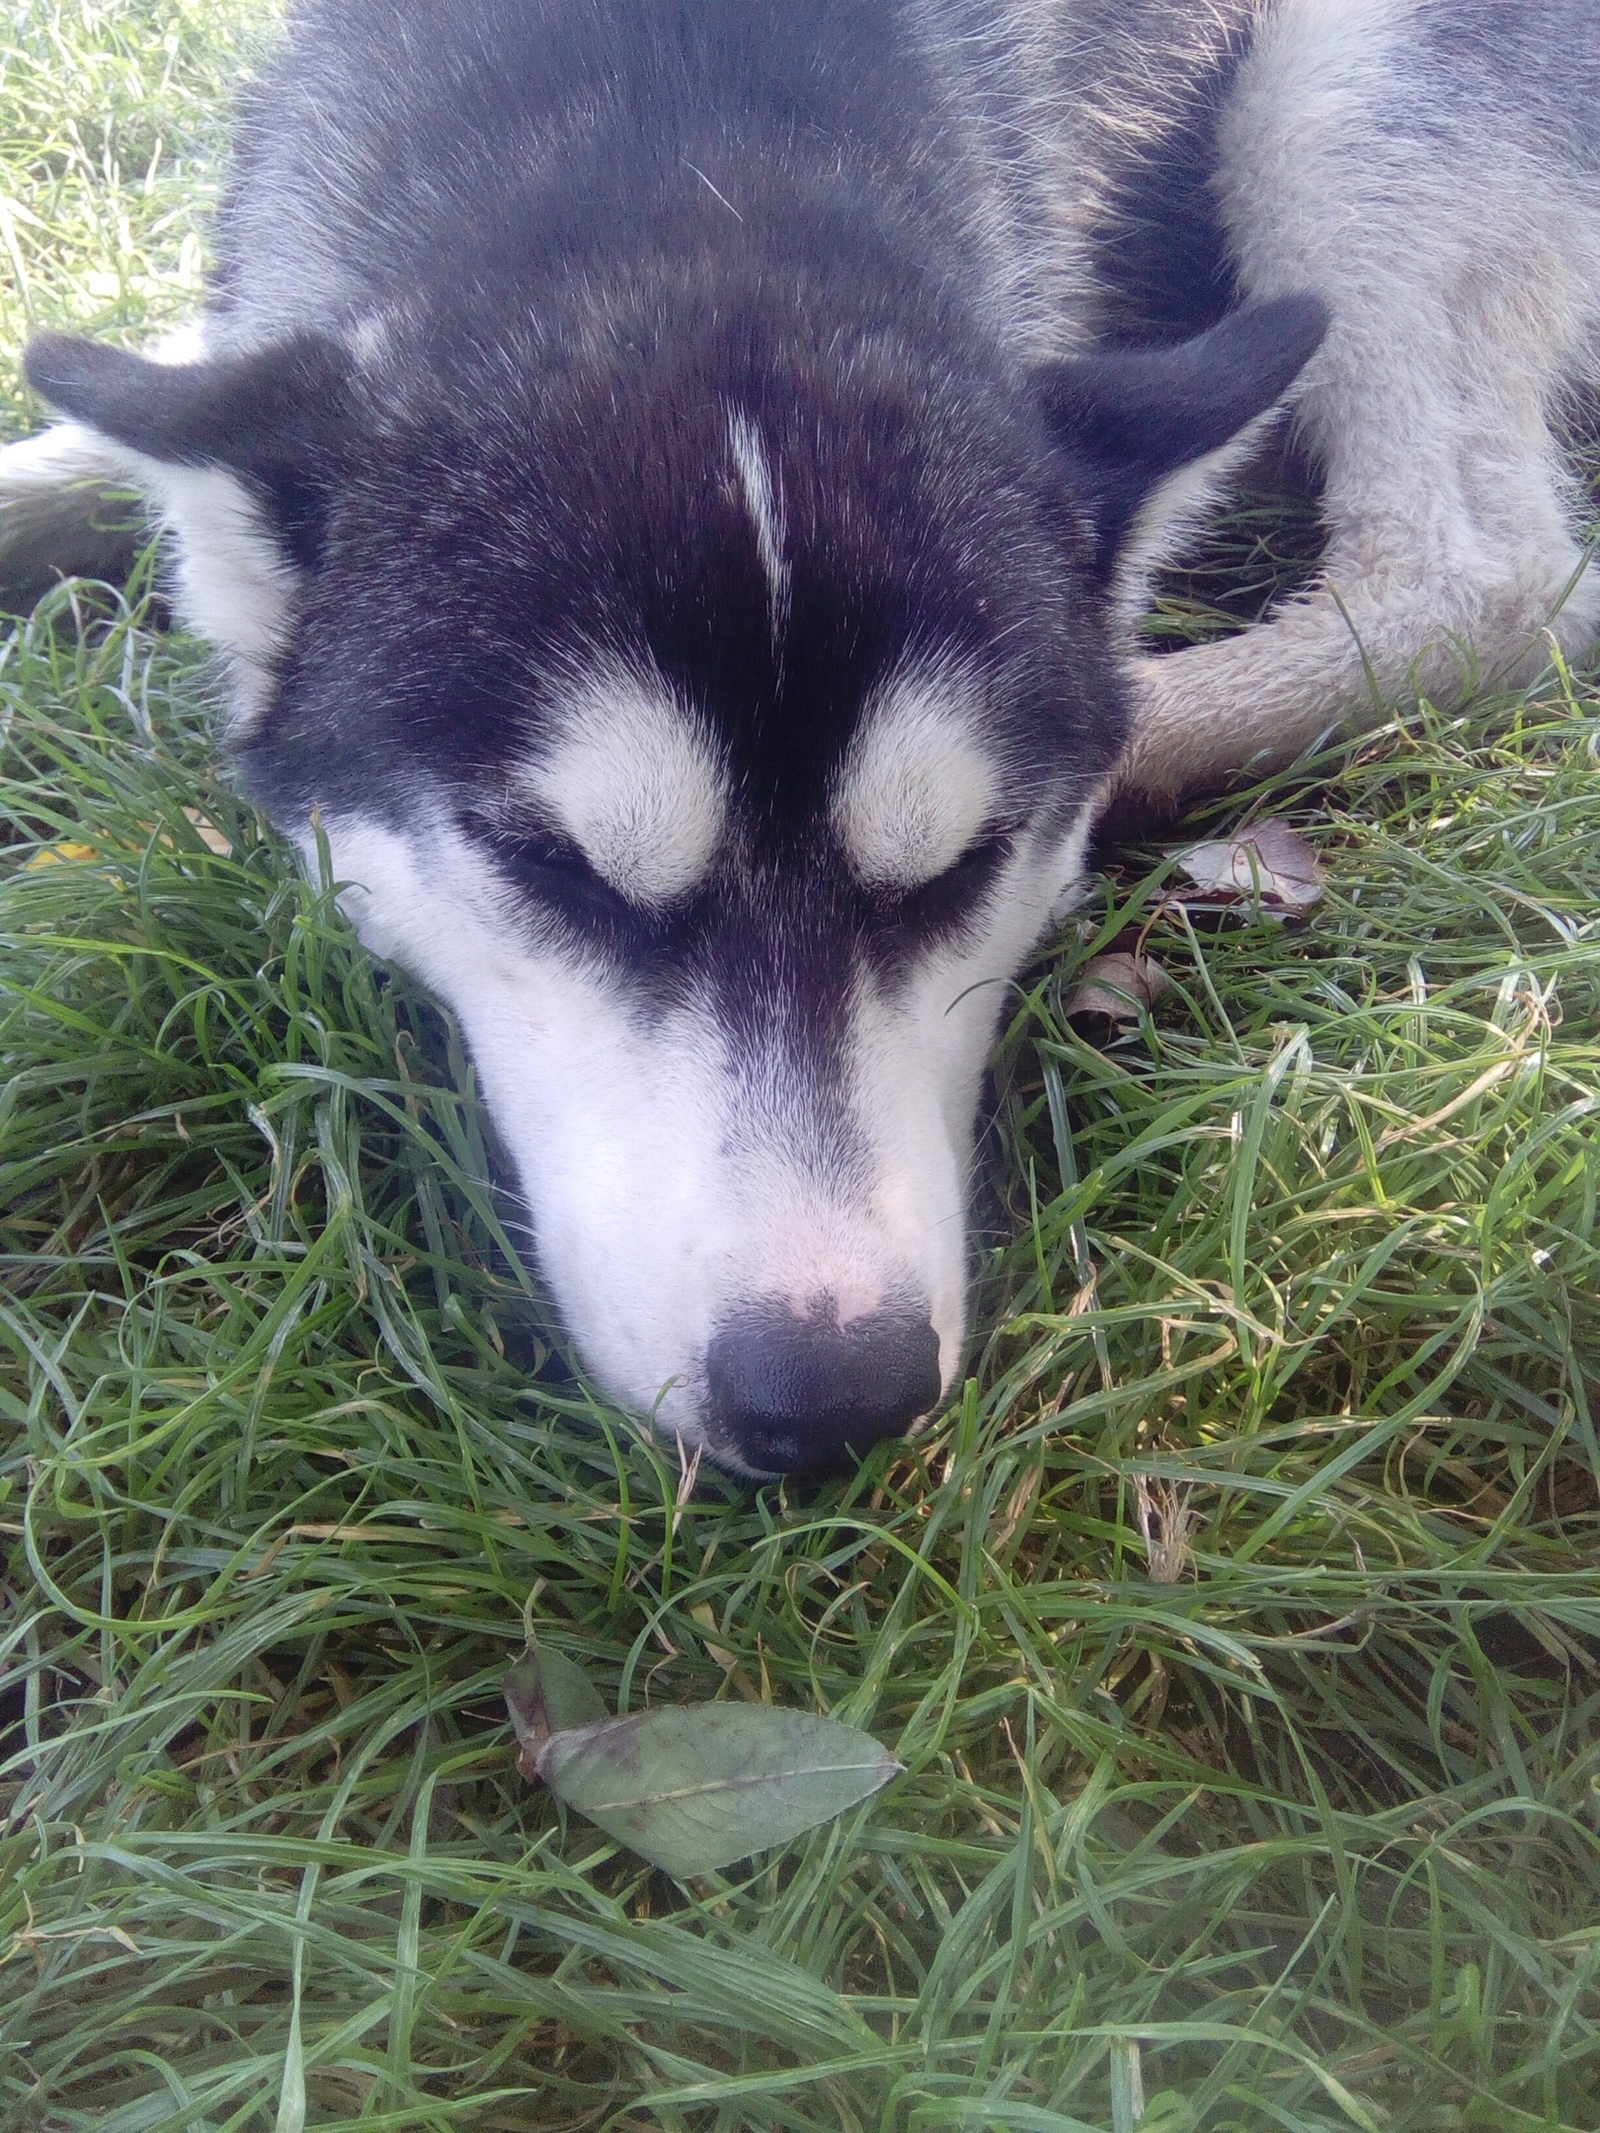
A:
x,y
544,863
952,897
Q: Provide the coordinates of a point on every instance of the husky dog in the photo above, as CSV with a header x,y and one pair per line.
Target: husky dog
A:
x,y
669,481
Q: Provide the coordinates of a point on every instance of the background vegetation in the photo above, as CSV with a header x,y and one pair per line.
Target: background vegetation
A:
x,y
1237,1627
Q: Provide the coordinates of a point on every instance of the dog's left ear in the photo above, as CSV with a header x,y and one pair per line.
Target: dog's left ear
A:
x,y
279,417
1127,418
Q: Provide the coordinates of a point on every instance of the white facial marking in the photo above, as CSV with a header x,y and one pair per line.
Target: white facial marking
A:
x,y
764,502
664,1167
635,779
918,1052
234,584
917,784
371,339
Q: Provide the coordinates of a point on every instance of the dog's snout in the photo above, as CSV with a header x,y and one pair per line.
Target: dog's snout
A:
x,y
798,1395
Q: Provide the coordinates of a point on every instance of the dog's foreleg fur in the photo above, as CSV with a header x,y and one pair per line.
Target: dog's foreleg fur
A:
x,y
1465,291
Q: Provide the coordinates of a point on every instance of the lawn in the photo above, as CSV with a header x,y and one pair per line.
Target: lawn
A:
x,y
1238,1627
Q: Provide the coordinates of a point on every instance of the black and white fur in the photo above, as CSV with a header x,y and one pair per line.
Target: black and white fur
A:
x,y
668,480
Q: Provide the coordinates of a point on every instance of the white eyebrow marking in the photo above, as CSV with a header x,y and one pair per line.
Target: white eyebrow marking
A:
x,y
917,784
763,499
636,780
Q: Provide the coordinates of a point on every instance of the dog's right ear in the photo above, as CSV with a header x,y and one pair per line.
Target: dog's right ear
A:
x,y
280,418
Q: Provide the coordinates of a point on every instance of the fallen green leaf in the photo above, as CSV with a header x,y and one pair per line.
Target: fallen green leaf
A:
x,y
547,1694
692,1788
698,1787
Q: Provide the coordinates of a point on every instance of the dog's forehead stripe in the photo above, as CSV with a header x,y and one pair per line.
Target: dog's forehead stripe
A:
x,y
918,782
633,776
763,500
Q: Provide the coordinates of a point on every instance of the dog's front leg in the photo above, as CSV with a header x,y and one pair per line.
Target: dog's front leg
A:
x,y
1433,585
1460,267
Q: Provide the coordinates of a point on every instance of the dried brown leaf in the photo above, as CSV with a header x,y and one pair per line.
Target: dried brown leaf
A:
x,y
1119,986
1271,862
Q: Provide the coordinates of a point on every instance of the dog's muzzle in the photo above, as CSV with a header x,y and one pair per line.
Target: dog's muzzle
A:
x,y
801,1395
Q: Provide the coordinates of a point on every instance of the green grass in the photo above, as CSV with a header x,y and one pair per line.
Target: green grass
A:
x,y
1239,1627
112,115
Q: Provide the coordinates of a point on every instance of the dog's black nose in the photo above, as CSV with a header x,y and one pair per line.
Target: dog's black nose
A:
x,y
798,1395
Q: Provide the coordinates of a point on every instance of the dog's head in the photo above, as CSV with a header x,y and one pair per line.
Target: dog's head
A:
x,y
714,725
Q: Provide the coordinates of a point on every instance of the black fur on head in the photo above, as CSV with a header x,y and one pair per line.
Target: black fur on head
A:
x,y
545,484
507,525
526,469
